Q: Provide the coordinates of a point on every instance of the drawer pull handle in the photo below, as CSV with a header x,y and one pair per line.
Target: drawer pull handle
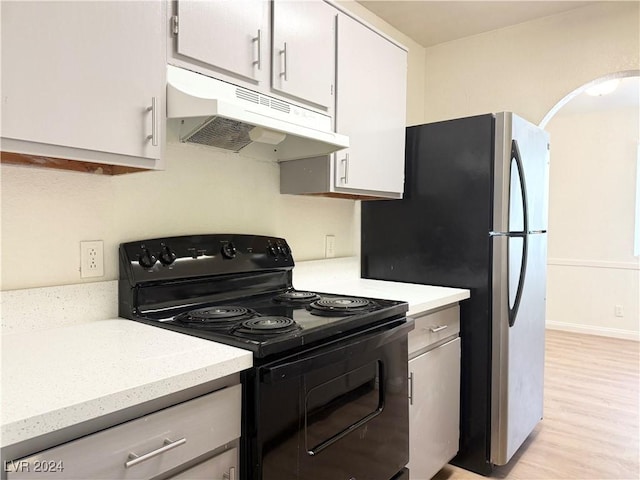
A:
x,y
410,388
283,52
231,475
258,40
345,177
438,328
154,121
168,445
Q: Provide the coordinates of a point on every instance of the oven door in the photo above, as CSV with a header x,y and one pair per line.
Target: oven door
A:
x,y
339,412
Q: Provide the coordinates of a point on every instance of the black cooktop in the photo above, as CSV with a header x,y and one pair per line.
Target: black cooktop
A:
x,y
278,322
237,290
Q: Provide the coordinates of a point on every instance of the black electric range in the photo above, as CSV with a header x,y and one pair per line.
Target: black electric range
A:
x,y
236,289
334,367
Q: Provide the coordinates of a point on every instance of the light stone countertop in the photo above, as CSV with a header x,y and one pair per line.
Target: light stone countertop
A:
x,y
342,276
63,376
63,364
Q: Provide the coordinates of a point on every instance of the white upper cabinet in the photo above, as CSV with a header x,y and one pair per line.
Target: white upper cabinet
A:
x,y
84,80
281,48
231,35
303,52
371,110
371,96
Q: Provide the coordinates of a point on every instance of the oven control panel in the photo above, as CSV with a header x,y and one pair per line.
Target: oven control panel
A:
x,y
190,256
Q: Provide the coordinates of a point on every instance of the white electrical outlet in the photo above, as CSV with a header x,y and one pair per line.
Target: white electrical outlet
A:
x,y
619,311
91,259
329,246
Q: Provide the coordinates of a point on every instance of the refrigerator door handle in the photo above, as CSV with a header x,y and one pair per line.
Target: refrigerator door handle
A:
x,y
513,311
515,155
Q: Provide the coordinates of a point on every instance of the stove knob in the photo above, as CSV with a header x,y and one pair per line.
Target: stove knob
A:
x,y
167,256
147,259
229,250
285,250
272,250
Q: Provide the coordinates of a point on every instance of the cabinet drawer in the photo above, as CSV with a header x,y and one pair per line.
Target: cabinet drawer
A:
x,y
433,327
176,435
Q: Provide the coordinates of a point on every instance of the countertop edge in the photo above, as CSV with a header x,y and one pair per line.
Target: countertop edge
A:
x,y
427,307
75,414
211,362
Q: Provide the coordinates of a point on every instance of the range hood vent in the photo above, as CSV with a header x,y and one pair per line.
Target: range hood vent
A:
x,y
223,115
222,133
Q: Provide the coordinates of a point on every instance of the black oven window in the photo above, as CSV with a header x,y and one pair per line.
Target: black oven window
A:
x,y
339,406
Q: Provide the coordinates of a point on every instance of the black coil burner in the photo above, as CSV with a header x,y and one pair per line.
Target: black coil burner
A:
x,y
295,296
267,326
340,306
215,317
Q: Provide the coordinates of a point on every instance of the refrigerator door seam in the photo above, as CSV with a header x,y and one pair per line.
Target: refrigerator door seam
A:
x,y
509,234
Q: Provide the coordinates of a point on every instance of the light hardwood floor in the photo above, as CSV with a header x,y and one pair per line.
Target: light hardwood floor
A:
x,y
591,423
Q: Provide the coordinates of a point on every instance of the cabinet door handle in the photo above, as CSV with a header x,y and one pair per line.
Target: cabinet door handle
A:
x,y
345,162
283,52
168,445
410,388
258,40
231,475
154,121
438,328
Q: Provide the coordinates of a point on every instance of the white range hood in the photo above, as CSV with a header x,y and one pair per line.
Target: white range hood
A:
x,y
220,114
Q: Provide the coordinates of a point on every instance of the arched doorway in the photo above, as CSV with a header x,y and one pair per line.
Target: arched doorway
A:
x,y
593,270
575,93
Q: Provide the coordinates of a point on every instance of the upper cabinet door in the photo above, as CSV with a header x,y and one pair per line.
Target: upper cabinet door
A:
x,y
227,34
85,75
303,56
371,110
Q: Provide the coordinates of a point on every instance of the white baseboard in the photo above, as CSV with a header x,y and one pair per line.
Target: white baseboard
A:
x,y
592,330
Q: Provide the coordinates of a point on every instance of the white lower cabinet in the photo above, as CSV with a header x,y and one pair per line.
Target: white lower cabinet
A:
x,y
190,440
434,402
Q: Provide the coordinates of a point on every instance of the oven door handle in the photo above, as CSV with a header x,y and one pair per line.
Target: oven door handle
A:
x,y
327,443
352,345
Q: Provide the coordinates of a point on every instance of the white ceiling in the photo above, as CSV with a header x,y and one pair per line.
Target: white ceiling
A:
x,y
433,22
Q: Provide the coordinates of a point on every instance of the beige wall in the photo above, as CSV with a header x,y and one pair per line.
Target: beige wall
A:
x,y
529,67
46,213
592,267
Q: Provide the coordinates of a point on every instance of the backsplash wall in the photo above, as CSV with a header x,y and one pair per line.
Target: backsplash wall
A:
x,y
46,213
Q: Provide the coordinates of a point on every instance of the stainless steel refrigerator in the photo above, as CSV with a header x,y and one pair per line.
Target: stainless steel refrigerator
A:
x,y
474,215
